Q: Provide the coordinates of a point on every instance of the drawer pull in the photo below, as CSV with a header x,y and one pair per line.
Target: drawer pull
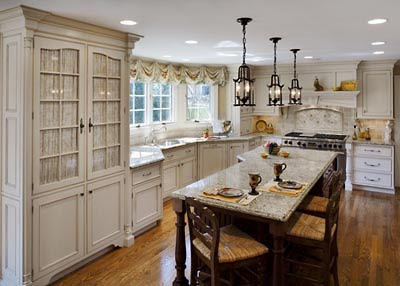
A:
x,y
371,150
147,174
170,156
372,165
372,180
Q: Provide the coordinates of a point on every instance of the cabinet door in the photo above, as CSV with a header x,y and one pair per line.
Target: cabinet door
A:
x,y
212,158
147,205
234,149
105,212
188,171
58,230
170,178
58,139
106,93
377,94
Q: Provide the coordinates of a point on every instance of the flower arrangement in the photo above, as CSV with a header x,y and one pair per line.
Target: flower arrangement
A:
x,y
272,148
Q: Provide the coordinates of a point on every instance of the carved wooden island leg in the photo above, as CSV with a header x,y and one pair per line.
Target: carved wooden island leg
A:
x,y
278,233
180,246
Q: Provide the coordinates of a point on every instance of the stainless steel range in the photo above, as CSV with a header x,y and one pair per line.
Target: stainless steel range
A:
x,y
320,141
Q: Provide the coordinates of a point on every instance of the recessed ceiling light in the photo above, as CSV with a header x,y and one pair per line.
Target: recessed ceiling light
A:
x,y
308,57
379,53
185,60
227,44
167,56
191,42
258,59
377,21
128,22
378,43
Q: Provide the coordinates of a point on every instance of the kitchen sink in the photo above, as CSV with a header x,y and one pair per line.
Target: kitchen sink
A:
x,y
169,143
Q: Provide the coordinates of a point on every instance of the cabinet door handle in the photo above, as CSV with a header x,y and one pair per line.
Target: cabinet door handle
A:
x,y
90,192
147,174
90,124
371,150
372,165
372,180
170,156
81,126
82,194
189,151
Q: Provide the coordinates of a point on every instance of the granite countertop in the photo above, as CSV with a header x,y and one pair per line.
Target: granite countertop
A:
x,y
144,155
305,166
372,141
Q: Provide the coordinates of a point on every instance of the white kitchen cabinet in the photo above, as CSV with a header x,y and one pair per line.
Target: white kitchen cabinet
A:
x,y
170,178
235,149
370,167
58,224
64,100
147,203
105,112
212,158
188,171
245,125
376,98
59,106
180,168
105,212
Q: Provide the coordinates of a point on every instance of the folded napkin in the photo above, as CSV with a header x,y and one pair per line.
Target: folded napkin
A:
x,y
273,187
212,193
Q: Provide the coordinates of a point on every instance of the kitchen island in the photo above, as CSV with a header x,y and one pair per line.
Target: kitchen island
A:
x,y
272,209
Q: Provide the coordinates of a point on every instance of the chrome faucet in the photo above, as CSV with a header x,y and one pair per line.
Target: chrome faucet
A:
x,y
156,130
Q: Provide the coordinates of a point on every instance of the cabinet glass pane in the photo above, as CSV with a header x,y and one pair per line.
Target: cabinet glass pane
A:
x,y
49,87
114,68
69,166
49,142
99,64
70,87
69,115
113,157
113,136
99,136
70,61
113,89
99,112
50,60
49,170
49,114
99,159
69,140
99,88
113,112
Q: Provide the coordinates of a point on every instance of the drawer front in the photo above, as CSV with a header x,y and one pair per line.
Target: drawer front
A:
x,y
145,174
371,150
373,164
179,153
373,180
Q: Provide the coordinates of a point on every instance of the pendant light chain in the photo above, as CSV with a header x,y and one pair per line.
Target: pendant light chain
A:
x,y
274,57
244,43
295,57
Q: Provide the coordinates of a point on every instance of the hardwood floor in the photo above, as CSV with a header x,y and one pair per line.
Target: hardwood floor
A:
x,y
369,248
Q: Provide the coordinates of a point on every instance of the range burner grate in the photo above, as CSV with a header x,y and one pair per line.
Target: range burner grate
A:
x,y
317,136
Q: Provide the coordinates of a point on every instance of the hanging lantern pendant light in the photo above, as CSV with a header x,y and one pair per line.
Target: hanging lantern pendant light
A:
x,y
275,88
244,85
295,89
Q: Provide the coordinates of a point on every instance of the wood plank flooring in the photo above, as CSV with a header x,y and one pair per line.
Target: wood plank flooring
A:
x,y
369,249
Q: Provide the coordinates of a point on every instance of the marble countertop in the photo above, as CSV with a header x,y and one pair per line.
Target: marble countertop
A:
x,y
305,166
372,141
144,155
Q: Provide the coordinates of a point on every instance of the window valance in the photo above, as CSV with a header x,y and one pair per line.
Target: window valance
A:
x,y
168,73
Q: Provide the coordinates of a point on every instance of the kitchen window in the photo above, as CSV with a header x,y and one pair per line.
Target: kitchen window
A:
x,y
199,103
150,103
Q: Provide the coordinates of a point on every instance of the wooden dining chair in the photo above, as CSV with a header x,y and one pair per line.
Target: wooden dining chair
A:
x,y
312,243
317,205
225,250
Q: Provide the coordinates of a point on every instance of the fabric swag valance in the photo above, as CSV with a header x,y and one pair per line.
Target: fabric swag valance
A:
x,y
168,73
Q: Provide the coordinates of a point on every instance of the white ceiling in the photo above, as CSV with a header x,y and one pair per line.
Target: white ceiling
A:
x,y
332,30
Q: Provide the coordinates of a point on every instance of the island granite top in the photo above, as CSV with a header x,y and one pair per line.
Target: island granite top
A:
x,y
305,166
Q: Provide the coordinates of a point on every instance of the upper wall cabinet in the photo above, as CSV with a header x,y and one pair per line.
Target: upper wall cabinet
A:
x,y
59,105
376,99
105,112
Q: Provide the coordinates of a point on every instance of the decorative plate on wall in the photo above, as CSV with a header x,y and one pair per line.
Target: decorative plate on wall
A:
x,y
261,125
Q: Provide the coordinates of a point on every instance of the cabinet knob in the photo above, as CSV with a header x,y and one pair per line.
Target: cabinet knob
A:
x,y
90,124
82,194
90,192
81,125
